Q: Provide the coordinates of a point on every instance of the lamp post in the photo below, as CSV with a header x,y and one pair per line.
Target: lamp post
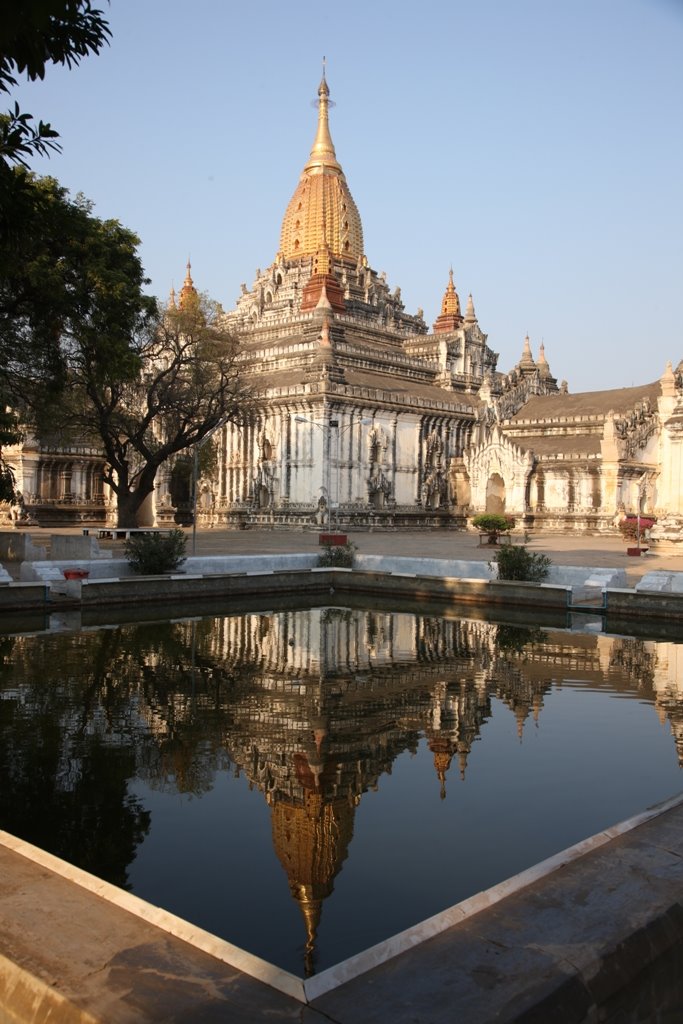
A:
x,y
195,477
327,426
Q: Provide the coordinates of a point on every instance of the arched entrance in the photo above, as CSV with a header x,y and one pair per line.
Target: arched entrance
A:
x,y
495,494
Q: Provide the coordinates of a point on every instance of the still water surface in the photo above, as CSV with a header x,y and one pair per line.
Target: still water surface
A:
x,y
307,783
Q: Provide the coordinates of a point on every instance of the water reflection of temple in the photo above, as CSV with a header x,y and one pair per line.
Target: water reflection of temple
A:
x,y
334,696
314,706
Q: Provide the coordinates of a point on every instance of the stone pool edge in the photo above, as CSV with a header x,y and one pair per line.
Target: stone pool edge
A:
x,y
306,991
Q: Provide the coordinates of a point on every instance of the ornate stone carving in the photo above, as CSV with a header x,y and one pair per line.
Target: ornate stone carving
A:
x,y
379,486
434,491
636,428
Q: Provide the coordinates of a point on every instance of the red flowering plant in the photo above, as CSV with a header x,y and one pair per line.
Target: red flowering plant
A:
x,y
633,526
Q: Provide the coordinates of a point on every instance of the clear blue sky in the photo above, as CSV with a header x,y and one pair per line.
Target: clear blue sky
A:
x,y
536,146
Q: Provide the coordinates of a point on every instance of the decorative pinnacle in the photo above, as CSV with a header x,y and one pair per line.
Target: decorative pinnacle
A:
x,y
451,302
323,153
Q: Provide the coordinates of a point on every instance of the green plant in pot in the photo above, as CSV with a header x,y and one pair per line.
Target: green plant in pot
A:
x,y
493,524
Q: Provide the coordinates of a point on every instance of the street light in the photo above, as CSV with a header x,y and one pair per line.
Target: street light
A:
x,y
329,426
195,477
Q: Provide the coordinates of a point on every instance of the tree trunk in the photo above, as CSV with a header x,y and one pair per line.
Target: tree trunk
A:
x,y
128,505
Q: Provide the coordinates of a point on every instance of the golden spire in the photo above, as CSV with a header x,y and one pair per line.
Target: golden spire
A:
x,y
321,214
450,316
171,299
450,305
322,151
188,293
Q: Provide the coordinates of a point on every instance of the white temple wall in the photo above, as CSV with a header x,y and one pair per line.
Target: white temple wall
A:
x,y
406,484
669,488
556,490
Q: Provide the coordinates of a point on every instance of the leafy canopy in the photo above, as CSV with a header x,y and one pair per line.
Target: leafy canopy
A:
x,y
70,284
493,523
34,34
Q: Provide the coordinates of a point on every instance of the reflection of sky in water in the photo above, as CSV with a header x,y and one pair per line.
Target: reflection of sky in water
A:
x,y
550,753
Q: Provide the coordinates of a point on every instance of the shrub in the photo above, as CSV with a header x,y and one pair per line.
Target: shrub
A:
x,y
339,556
153,553
629,525
493,524
516,563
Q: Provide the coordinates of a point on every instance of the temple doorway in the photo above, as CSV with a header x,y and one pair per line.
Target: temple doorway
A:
x,y
495,494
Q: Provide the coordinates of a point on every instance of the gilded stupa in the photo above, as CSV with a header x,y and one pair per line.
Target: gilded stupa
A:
x,y
322,214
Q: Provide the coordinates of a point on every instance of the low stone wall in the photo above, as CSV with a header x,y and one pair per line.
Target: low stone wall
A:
x,y
23,595
16,546
178,588
65,546
642,603
470,569
296,574
118,568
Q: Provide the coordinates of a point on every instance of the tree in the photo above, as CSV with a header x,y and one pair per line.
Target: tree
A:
x,y
33,34
187,384
86,354
69,284
64,274
9,434
65,277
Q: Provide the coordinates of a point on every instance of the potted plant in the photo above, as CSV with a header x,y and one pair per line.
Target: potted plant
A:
x,y
491,525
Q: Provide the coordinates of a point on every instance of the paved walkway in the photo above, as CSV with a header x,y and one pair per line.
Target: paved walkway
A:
x,y
598,551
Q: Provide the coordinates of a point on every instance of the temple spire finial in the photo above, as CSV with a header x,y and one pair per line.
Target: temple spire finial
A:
x,y
188,293
323,152
527,359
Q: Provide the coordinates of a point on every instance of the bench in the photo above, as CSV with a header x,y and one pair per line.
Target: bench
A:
x,y
123,533
501,538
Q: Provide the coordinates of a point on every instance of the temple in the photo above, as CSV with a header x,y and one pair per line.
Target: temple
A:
x,y
367,418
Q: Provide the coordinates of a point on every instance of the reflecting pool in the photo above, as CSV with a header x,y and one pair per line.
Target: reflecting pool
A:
x,y
306,783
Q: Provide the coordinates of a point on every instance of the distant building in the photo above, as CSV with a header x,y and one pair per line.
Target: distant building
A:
x,y
369,419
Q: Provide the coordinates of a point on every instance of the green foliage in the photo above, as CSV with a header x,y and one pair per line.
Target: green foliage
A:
x,y
339,556
516,563
9,434
154,553
70,291
489,522
86,353
33,34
